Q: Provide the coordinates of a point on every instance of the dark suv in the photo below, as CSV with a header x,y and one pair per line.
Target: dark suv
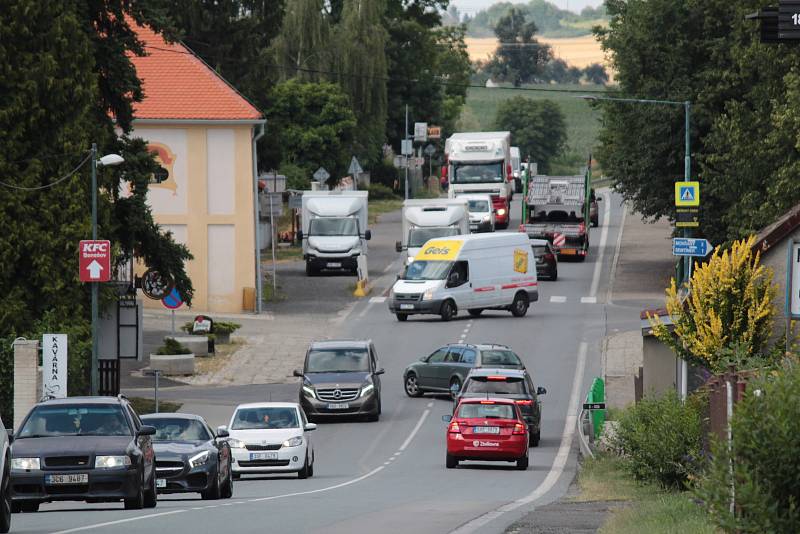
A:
x,y
341,378
92,449
514,384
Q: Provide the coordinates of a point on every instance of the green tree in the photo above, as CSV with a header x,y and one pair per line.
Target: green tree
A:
x,y
302,48
596,73
537,127
519,57
312,125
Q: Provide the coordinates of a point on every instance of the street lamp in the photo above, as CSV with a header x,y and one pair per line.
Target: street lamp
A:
x,y
687,171
109,160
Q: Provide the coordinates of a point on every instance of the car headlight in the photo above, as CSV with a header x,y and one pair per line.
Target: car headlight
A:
x,y
111,462
293,442
199,459
25,464
366,390
487,219
501,211
235,443
428,295
309,392
355,252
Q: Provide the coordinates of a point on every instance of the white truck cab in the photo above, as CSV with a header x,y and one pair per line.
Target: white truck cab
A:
x,y
428,219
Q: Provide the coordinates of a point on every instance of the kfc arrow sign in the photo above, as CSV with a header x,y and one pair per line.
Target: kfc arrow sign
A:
x,y
94,261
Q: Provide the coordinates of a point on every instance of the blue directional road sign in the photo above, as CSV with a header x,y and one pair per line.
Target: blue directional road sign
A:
x,y
686,246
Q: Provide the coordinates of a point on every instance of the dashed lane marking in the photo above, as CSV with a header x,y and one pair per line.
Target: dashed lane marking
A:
x,y
377,300
558,300
588,300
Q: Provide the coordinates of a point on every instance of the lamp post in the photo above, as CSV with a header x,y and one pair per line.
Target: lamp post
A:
x,y
108,160
687,171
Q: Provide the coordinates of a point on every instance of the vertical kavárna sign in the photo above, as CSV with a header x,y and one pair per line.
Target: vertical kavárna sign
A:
x,y
54,365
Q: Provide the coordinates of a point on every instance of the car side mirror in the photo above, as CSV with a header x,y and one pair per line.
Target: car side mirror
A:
x,y
398,246
146,430
380,371
222,432
368,234
541,391
310,426
298,372
447,418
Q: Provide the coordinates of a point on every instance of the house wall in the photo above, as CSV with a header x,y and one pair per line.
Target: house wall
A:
x,y
775,258
207,203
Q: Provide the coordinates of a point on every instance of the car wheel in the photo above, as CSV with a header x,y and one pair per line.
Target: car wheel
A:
x,y
455,385
151,495
227,488
380,406
402,317
536,438
27,507
375,416
412,386
451,461
237,476
5,500
522,463
214,492
475,312
136,502
520,305
448,310
310,270
303,473
555,275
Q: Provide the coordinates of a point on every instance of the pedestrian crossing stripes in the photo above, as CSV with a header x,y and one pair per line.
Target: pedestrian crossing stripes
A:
x,y
377,300
557,299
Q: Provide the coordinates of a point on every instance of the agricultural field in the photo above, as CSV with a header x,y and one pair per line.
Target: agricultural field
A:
x,y
576,51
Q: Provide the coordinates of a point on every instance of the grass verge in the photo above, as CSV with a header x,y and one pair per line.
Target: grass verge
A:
x,y
648,508
380,207
144,406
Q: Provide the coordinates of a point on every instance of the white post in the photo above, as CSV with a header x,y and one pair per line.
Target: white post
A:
x,y
26,378
684,379
274,234
729,413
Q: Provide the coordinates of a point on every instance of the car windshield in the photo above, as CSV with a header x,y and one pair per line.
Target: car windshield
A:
x,y
332,226
479,206
477,173
343,360
427,270
175,429
499,357
509,386
476,410
75,420
418,236
264,418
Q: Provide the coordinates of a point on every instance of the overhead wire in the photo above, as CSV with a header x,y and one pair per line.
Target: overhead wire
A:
x,y
51,184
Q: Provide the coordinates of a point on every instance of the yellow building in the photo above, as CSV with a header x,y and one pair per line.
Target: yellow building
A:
x,y
204,133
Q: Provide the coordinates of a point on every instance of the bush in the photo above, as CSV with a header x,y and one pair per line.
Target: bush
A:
x,y
381,192
297,177
222,327
659,440
766,459
384,173
171,346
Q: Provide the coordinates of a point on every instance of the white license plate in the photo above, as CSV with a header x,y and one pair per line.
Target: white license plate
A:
x,y
263,455
333,264
338,406
486,429
161,482
406,306
55,480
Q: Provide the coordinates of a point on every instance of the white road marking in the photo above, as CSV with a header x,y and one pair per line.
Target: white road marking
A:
x,y
610,292
588,300
377,300
598,267
389,267
410,437
119,521
558,464
558,300
430,404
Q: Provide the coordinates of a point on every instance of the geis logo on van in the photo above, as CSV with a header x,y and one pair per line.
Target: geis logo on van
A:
x,y
437,251
440,249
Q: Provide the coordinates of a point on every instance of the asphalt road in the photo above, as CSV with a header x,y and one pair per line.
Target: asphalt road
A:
x,y
390,476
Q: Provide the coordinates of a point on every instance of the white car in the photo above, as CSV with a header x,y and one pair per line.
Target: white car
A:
x,y
271,437
481,212
5,480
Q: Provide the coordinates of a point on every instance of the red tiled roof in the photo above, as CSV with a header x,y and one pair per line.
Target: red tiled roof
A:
x,y
178,85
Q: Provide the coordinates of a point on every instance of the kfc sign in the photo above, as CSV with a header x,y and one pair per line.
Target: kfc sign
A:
x,y
94,261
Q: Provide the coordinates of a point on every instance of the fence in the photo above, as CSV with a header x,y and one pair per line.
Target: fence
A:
x,y
715,416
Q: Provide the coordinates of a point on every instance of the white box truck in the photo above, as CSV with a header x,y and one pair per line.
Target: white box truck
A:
x,y
334,230
428,219
474,272
480,162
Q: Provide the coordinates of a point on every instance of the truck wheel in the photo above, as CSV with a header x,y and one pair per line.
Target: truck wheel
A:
x,y
520,305
402,317
448,310
310,270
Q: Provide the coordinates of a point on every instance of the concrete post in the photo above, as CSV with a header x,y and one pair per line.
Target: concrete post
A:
x,y
27,378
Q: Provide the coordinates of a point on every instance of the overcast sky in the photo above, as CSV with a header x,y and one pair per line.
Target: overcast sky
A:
x,y
473,6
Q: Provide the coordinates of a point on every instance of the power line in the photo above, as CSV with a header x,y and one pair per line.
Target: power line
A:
x,y
51,184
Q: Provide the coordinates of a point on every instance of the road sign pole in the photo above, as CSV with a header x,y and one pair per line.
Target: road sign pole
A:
x,y
687,232
95,287
405,136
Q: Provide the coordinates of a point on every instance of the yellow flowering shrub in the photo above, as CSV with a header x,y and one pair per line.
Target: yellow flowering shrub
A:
x,y
730,303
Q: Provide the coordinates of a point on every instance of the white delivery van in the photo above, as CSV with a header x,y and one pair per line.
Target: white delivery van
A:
x,y
427,219
334,229
474,272
481,213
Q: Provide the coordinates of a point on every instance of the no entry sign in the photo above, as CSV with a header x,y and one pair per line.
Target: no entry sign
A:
x,y
94,261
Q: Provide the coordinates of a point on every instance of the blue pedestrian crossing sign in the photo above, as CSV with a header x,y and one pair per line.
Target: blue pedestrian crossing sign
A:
x,y
687,194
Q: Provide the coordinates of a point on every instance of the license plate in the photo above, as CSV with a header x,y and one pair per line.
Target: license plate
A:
x,y
338,406
568,251
263,455
55,480
161,482
406,306
333,264
486,429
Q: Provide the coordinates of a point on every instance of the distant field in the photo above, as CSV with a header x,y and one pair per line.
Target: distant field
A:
x,y
576,51
582,121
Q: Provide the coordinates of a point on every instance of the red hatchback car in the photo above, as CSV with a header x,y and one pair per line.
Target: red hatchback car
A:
x,y
487,430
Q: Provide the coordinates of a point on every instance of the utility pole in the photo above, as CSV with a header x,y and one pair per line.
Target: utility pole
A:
x,y
405,136
95,288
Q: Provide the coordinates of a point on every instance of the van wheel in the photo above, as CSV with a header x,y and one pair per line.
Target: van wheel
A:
x,y
402,317
310,270
448,310
520,305
475,312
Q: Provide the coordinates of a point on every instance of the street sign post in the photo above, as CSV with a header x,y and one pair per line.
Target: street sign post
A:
x,y
434,132
687,194
687,217
94,260
594,406
172,302
54,366
406,147
430,150
687,246
355,168
420,132
321,175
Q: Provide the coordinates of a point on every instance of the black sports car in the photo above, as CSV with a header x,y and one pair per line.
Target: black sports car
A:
x,y
92,449
190,457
